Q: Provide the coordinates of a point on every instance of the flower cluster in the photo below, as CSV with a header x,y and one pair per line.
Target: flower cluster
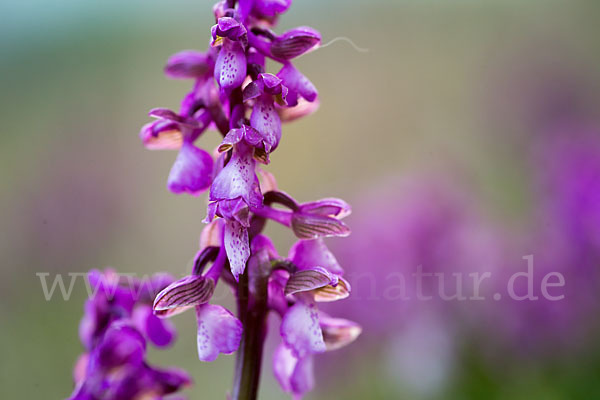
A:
x,y
117,324
233,94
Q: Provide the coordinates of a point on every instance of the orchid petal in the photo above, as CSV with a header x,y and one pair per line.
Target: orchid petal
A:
x,y
295,375
238,179
237,247
183,294
218,332
295,42
338,332
230,68
188,64
265,119
300,329
298,83
306,254
192,171
313,226
160,332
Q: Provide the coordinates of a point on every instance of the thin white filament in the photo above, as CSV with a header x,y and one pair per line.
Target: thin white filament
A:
x,y
344,39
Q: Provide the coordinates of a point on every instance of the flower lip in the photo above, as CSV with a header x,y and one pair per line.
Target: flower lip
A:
x,y
300,329
230,67
218,332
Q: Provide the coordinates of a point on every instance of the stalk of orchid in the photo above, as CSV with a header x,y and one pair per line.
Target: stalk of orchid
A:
x,y
234,95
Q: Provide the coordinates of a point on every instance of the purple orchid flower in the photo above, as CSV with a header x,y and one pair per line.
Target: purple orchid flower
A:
x,y
193,168
218,330
235,94
233,192
230,68
118,321
265,91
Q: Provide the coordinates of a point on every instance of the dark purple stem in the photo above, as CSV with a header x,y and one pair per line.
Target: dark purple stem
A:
x,y
252,309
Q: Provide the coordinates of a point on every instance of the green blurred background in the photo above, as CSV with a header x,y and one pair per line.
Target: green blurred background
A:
x,y
81,192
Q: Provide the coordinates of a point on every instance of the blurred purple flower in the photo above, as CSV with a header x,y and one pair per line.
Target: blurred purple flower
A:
x,y
116,325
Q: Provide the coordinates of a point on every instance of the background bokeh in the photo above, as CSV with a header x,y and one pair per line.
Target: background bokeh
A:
x,y
434,134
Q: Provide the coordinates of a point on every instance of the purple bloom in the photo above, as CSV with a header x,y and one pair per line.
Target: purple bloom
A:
x,y
265,91
233,191
235,94
218,330
117,322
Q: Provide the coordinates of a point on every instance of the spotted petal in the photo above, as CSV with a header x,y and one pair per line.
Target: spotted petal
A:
x,y
300,329
230,68
237,247
238,179
218,332
265,119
